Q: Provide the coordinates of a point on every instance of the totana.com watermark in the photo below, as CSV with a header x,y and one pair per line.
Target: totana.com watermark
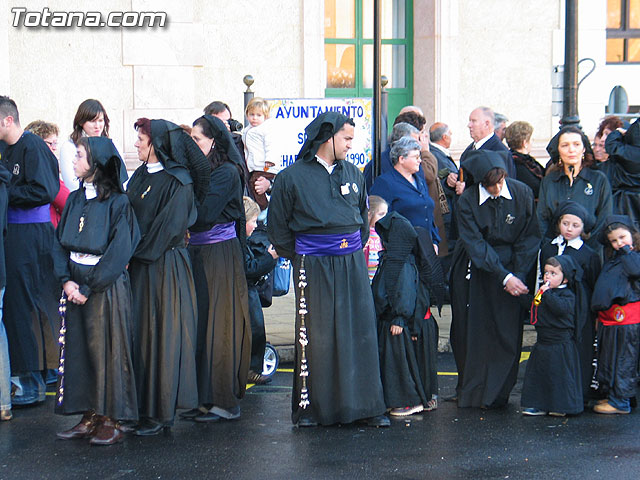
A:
x,y
61,19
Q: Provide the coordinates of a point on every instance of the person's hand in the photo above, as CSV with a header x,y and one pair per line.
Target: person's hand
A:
x,y
78,298
452,179
622,130
544,287
261,185
423,140
515,287
70,287
460,187
435,248
272,251
395,330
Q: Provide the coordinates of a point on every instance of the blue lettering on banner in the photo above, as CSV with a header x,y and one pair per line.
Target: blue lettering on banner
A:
x,y
357,158
312,111
301,138
288,160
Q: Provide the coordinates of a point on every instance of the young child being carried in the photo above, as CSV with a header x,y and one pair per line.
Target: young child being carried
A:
x,y
260,259
573,224
552,378
378,208
616,298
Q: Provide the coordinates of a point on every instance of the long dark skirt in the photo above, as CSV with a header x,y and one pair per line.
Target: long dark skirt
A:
x,y
486,337
618,359
401,378
164,306
98,373
552,380
426,346
224,328
344,375
31,298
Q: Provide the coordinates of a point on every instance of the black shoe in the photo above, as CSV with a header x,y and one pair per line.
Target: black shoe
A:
x,y
127,426
193,413
148,428
452,398
208,417
257,378
379,421
305,422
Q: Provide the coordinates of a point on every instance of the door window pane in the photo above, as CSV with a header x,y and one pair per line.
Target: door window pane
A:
x,y
392,21
341,66
614,14
634,13
615,50
339,19
634,50
392,64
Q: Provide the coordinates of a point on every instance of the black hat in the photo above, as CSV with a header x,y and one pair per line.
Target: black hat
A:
x,y
223,138
177,151
479,162
571,271
552,146
632,137
104,154
321,129
610,220
569,207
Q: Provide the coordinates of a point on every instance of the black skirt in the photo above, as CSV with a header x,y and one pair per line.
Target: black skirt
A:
x,y
164,307
344,374
224,327
618,359
31,297
98,367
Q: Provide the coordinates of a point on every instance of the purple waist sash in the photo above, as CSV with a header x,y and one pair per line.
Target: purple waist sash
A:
x,y
29,215
326,245
219,233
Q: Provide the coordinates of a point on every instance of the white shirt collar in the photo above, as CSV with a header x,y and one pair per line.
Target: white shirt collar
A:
x,y
154,167
574,243
328,167
484,195
482,141
441,148
90,191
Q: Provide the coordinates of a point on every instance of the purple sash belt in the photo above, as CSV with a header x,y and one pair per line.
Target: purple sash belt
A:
x,y
219,233
328,245
29,215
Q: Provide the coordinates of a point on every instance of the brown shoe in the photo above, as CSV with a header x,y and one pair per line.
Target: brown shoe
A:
x,y
5,415
107,433
257,378
86,428
608,409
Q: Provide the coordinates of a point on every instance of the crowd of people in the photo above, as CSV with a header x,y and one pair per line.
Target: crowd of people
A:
x,y
145,294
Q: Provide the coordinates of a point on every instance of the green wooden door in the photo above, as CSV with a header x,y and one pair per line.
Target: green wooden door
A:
x,y
349,50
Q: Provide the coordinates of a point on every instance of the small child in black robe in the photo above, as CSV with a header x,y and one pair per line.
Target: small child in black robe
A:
x,y
573,224
260,259
552,378
616,298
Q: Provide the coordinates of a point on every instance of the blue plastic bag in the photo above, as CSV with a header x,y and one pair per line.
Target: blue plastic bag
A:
x,y
281,277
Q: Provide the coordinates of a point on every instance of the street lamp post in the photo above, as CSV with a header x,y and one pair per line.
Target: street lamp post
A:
x,y
570,93
377,89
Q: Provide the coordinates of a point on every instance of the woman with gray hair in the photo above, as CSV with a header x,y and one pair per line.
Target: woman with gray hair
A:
x,y
405,191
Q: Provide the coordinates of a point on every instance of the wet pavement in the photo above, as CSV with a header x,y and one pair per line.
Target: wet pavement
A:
x,y
446,443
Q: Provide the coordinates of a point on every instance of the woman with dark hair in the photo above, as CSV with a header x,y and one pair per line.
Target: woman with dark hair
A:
x,y
161,192
95,239
498,243
528,170
569,177
215,247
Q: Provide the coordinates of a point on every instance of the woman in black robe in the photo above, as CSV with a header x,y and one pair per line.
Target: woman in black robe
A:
x,y
161,192
215,248
498,244
94,241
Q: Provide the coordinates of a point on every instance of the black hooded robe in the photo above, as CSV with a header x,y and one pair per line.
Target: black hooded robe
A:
x,y
30,312
496,238
344,376
224,328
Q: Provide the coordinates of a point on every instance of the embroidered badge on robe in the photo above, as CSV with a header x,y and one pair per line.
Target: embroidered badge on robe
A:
x,y
344,189
344,243
354,187
509,219
16,169
145,192
589,189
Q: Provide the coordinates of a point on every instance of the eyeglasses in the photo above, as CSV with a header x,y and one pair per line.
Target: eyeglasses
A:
x,y
51,144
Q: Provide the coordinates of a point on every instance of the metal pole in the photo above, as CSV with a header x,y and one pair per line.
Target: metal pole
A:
x,y
570,90
384,107
377,88
248,95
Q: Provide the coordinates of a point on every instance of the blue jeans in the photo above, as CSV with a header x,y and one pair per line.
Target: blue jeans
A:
x,y
620,403
5,369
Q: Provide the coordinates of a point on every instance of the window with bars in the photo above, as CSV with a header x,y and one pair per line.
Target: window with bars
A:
x,y
623,31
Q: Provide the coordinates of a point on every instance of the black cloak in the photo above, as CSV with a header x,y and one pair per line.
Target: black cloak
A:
x,y
321,129
105,154
552,146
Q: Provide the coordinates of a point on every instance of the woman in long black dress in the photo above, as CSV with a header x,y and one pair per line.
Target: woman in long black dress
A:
x,y
94,241
224,328
161,192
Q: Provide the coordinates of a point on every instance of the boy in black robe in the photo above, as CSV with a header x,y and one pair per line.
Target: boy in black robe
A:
x,y
31,306
498,245
318,218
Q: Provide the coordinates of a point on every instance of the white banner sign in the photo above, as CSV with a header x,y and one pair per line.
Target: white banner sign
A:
x,y
294,114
